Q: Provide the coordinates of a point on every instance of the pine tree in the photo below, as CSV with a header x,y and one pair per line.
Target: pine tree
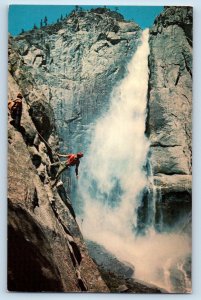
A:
x,y
45,21
35,27
77,7
61,18
41,23
22,31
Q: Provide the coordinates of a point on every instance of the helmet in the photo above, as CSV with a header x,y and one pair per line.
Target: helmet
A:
x,y
19,95
80,154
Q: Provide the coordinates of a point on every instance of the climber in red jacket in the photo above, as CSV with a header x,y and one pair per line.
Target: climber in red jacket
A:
x,y
15,108
71,160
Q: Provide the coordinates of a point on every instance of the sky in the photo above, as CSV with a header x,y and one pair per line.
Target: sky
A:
x,y
25,16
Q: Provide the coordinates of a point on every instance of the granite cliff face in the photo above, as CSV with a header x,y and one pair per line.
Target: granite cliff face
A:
x,y
74,65
46,251
170,111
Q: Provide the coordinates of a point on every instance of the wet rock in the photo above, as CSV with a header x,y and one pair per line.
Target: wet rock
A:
x,y
173,183
108,261
169,121
118,276
174,203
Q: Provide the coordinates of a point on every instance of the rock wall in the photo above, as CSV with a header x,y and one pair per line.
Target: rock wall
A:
x,y
46,251
169,122
74,65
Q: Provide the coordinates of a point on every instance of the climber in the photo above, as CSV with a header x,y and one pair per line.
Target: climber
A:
x,y
15,108
72,160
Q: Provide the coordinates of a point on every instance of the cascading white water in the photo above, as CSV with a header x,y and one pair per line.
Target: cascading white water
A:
x,y
119,147
113,178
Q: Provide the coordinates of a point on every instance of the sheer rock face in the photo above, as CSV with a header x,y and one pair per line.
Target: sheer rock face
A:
x,y
170,104
73,66
46,251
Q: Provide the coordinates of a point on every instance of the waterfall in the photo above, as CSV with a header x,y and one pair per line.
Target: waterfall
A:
x,y
117,154
113,179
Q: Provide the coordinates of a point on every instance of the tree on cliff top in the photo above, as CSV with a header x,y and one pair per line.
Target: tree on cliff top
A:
x,y
45,21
